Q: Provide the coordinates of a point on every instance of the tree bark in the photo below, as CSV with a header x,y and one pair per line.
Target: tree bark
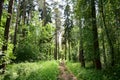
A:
x,y
16,28
108,36
95,37
65,48
81,53
44,13
69,50
56,41
6,32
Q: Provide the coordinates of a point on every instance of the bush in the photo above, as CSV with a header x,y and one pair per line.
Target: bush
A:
x,y
113,72
26,52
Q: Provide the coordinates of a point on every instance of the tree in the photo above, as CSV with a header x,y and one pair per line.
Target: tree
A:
x,y
81,52
45,13
6,32
67,32
16,26
95,36
57,30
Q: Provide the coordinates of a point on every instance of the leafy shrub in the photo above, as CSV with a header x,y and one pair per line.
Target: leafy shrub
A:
x,y
113,72
26,51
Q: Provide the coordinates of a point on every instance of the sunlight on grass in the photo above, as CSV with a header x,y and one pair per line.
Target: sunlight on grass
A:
x,y
32,71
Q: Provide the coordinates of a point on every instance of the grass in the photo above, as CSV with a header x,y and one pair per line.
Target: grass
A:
x,y
85,73
47,70
89,73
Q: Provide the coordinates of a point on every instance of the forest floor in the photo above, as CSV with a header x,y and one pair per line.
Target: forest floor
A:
x,y
65,74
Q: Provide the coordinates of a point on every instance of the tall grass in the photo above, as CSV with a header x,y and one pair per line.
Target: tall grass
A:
x,y
89,73
32,71
85,73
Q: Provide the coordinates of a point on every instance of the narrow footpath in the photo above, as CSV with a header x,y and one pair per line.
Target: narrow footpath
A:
x,y
65,74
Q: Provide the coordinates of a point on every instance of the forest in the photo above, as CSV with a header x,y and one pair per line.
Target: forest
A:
x,y
59,39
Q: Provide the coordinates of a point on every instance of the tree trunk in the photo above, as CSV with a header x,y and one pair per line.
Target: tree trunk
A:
x,y
16,28
50,53
103,47
103,38
44,13
108,36
6,32
56,45
1,7
58,48
95,36
24,6
65,48
81,53
69,50
81,56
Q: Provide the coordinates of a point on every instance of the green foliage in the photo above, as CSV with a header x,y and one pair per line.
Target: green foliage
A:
x,y
88,43
112,73
36,44
26,51
32,71
92,74
45,39
8,55
84,74
74,42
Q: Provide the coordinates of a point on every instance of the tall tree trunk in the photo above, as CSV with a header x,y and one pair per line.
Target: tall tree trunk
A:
x,y
103,38
81,53
108,36
44,13
95,37
6,32
16,28
50,53
103,47
69,49
24,11
1,7
58,51
65,48
24,17
56,41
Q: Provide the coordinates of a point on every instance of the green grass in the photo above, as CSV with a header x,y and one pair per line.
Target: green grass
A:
x,y
47,70
89,73
85,73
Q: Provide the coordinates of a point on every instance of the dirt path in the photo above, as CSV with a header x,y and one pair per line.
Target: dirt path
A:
x,y
64,73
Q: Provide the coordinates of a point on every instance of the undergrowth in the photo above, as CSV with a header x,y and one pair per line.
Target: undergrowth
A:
x,y
89,73
32,71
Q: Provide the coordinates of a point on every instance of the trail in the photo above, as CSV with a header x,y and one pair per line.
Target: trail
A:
x,y
65,74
